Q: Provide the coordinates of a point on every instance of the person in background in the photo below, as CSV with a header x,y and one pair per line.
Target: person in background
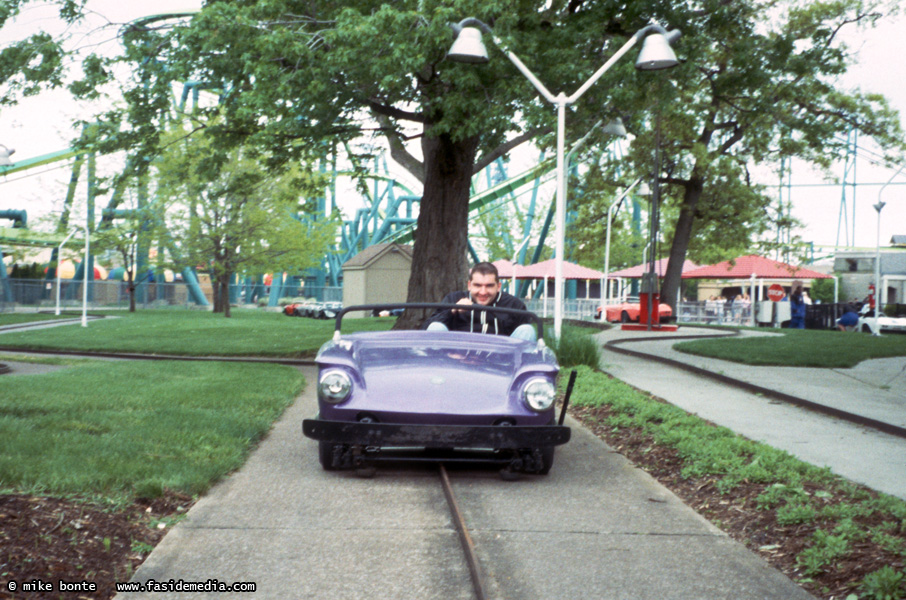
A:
x,y
483,287
797,307
850,319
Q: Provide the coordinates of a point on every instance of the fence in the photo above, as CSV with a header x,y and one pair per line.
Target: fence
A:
x,y
713,313
39,294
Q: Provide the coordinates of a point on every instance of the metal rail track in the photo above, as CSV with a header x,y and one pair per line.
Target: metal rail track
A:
x,y
615,346
468,546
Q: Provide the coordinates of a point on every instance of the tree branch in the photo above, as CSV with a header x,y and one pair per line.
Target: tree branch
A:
x,y
395,113
398,150
502,149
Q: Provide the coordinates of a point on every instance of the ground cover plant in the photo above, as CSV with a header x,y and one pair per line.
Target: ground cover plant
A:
x,y
826,349
835,538
192,333
99,459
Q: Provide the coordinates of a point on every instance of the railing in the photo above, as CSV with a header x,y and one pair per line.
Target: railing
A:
x,y
713,313
40,294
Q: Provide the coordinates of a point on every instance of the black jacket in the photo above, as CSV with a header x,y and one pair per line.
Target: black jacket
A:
x,y
481,321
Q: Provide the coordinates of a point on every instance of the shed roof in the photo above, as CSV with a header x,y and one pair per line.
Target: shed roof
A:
x,y
745,267
660,268
372,253
545,270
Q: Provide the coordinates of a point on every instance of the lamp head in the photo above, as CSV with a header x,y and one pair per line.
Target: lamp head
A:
x,y
5,153
615,127
468,47
644,190
656,52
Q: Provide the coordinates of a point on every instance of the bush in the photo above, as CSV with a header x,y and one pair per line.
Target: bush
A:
x,y
575,348
884,584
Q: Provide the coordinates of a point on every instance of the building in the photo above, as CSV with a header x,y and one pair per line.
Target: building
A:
x,y
378,274
856,270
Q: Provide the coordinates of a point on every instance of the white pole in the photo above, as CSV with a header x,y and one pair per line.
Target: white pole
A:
x,y
85,274
560,214
60,260
877,328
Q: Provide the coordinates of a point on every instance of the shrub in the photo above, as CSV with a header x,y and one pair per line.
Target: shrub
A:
x,y
575,348
884,584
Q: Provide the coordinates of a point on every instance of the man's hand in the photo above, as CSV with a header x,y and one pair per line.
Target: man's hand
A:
x,y
466,301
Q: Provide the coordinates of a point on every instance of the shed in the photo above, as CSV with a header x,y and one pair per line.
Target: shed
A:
x,y
378,274
753,272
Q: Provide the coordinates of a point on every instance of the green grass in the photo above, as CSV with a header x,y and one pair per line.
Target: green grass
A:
x,y
800,348
116,430
17,318
192,333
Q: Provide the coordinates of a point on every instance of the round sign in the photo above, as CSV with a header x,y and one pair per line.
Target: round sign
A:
x,y
775,292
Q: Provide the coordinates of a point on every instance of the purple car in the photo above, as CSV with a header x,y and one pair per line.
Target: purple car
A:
x,y
436,395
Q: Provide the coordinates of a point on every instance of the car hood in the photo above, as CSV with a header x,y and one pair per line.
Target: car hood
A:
x,y
444,367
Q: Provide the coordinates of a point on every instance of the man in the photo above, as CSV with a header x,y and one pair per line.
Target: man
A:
x,y
483,288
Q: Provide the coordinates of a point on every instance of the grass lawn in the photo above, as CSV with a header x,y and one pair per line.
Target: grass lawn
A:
x,y
192,333
120,430
17,318
800,348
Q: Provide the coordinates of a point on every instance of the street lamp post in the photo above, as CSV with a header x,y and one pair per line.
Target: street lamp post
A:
x,y
610,210
655,54
878,207
60,260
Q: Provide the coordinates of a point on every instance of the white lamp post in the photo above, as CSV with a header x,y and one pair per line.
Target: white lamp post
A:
x,y
60,260
655,54
610,210
877,328
878,207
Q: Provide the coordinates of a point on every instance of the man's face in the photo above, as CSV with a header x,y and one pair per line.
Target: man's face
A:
x,y
483,288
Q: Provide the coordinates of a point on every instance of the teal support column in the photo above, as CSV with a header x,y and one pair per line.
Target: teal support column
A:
x,y
4,281
234,289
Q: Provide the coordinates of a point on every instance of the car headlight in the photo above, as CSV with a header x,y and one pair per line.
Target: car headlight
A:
x,y
539,394
334,386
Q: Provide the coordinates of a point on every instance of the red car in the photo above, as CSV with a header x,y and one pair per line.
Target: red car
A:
x,y
628,312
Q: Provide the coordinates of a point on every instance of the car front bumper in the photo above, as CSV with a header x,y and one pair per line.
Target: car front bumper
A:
x,y
435,436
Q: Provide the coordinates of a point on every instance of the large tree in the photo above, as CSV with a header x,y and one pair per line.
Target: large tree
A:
x,y
759,83
296,74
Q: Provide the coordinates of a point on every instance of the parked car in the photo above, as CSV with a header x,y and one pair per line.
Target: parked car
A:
x,y
627,312
885,324
425,394
300,309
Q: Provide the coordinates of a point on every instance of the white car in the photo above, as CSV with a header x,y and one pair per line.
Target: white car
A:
x,y
885,323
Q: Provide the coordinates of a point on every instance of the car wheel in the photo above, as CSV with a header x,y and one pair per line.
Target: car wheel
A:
x,y
866,328
624,317
547,459
325,455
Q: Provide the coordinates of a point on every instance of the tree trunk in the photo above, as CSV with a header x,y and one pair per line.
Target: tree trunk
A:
x,y
225,294
674,274
218,295
130,285
439,259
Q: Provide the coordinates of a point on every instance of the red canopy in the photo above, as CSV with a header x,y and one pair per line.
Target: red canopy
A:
x,y
545,270
660,267
745,267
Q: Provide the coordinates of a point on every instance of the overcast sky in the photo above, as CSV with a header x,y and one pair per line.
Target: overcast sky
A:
x,y
41,125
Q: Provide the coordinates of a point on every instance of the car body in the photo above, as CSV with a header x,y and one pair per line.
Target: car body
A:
x,y
628,312
884,323
423,394
313,309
